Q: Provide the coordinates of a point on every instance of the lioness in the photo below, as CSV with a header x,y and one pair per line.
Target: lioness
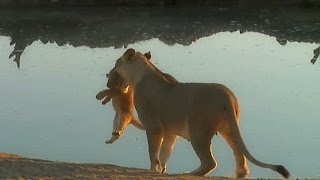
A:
x,y
122,102
195,111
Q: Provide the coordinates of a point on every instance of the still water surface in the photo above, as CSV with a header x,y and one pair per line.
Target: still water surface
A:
x,y
48,108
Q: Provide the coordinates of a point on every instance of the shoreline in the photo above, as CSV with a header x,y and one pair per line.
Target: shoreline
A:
x,y
14,166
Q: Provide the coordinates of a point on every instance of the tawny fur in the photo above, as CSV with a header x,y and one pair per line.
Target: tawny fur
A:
x,y
122,104
195,111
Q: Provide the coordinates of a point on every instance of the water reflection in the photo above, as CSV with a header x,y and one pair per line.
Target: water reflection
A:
x,y
119,27
48,107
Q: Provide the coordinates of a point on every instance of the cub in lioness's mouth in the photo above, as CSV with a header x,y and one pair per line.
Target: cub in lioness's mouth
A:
x,y
123,105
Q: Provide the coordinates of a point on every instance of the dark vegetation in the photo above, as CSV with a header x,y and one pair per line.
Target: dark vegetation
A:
x,y
122,22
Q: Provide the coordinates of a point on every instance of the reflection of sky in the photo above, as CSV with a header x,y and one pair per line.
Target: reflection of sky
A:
x,y
48,108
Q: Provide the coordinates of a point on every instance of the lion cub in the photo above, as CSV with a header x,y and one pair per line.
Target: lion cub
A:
x,y
123,102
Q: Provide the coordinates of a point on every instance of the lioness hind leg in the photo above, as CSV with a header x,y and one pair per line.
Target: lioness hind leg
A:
x,y
202,146
155,136
168,143
242,168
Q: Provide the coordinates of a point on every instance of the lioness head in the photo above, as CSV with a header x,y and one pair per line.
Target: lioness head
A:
x,y
121,75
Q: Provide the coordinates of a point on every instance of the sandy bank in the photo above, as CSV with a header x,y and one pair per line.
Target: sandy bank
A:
x,y
16,167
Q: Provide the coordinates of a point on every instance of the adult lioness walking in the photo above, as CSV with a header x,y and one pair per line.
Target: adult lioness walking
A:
x,y
195,111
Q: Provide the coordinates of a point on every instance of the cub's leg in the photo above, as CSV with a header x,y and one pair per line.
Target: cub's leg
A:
x,y
106,94
102,94
242,168
120,122
154,136
106,100
168,143
200,137
115,135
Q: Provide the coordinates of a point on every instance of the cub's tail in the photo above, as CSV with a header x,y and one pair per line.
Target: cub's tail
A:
x,y
137,123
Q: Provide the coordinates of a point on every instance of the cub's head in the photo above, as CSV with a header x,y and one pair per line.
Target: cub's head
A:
x,y
115,81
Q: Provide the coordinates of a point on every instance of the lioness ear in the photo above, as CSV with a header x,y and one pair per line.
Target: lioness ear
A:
x,y
148,55
128,55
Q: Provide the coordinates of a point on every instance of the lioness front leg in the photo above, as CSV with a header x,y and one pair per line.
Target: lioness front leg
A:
x,y
154,136
168,143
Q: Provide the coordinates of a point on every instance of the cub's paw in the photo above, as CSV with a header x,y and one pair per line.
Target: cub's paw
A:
x,y
109,141
115,133
100,95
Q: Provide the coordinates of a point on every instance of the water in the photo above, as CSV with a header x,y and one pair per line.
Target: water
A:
x,y
48,108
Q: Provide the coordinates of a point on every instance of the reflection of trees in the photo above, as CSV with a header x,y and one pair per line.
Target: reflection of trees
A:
x,y
120,27
316,53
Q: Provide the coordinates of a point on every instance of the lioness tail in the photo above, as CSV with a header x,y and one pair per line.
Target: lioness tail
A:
x,y
237,136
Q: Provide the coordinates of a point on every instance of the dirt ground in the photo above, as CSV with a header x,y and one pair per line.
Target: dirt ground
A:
x,y
16,167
